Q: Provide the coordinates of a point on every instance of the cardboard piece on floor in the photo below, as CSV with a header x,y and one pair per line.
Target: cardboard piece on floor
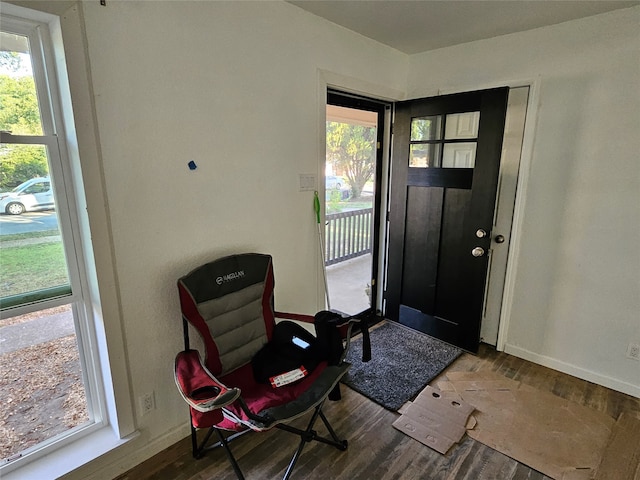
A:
x,y
621,457
434,419
481,381
557,437
471,423
438,422
423,434
449,406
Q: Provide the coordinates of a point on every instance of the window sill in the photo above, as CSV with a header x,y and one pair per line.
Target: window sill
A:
x,y
67,458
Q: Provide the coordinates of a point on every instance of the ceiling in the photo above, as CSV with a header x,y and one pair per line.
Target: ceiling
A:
x,y
414,26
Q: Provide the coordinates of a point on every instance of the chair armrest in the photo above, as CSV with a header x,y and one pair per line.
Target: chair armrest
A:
x,y
295,316
326,321
198,387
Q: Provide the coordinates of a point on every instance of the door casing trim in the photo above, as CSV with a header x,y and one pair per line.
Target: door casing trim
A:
x,y
335,81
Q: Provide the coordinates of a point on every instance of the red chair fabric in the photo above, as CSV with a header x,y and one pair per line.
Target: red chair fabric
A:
x,y
199,388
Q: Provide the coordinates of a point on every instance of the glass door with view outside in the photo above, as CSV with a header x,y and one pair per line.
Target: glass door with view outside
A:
x,y
350,204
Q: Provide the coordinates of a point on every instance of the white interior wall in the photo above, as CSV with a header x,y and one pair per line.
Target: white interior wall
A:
x,y
236,87
576,290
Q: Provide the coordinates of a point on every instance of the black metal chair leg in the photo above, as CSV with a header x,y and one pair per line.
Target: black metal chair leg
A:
x,y
294,460
198,450
333,434
232,459
305,437
194,441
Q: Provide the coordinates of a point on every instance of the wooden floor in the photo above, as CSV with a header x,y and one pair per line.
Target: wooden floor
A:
x,y
376,450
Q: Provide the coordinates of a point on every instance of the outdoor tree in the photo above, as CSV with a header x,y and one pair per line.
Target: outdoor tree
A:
x,y
352,149
19,115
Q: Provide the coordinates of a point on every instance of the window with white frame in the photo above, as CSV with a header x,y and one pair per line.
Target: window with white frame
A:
x,y
50,392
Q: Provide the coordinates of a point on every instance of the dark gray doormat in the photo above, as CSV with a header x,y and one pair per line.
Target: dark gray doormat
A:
x,y
403,361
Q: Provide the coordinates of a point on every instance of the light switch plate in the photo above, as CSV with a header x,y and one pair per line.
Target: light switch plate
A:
x,y
307,182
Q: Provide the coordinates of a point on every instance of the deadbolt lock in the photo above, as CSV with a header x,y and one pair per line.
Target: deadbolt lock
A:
x,y
480,233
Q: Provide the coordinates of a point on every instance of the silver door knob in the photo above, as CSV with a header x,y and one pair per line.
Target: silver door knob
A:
x,y
477,252
480,233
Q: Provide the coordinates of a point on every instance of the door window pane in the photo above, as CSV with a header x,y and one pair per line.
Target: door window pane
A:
x,y
459,155
426,128
462,125
424,155
428,149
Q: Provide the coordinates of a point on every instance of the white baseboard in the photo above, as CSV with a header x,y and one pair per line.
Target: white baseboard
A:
x,y
599,379
124,459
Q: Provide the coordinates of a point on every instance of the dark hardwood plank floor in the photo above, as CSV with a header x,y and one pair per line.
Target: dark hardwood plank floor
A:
x,y
376,450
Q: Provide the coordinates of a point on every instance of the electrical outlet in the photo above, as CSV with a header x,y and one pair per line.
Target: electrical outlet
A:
x,y
147,403
633,351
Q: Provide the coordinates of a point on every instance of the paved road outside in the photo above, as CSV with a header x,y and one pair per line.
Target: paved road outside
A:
x,y
28,222
33,332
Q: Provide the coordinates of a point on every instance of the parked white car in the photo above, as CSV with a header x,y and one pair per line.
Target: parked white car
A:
x,y
34,194
332,181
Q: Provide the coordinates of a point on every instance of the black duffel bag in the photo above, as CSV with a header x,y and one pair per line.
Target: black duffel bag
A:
x,y
291,355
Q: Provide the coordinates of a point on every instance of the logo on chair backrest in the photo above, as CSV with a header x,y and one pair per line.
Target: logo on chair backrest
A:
x,y
229,277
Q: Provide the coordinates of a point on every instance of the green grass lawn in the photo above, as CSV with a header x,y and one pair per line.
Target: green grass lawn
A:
x,y
30,267
336,205
26,236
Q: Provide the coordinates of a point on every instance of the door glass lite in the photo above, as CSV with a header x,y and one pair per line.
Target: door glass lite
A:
x,y
462,125
459,155
426,128
447,141
423,155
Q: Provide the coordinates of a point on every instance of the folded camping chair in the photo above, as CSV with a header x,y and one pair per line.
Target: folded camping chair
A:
x,y
255,375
